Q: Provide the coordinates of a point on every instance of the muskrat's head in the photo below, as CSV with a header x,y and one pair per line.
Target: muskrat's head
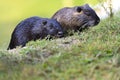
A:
x,y
84,16
52,28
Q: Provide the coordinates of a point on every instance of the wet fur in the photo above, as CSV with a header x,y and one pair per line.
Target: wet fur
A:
x,y
34,28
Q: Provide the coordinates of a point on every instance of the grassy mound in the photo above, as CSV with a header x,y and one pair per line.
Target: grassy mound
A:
x,y
94,54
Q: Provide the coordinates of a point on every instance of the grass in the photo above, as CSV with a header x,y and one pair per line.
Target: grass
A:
x,y
93,54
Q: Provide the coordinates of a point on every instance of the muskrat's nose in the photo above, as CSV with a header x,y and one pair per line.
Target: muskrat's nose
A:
x,y
97,21
60,34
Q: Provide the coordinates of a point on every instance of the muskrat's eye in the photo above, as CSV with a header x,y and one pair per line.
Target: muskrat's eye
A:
x,y
87,13
51,26
79,9
44,22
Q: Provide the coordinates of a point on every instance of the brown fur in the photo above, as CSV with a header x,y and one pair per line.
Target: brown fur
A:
x,y
76,18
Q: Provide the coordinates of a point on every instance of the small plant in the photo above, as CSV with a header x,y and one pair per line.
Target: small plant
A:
x,y
108,7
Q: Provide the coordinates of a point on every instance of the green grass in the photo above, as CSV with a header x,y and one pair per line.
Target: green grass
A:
x,y
94,54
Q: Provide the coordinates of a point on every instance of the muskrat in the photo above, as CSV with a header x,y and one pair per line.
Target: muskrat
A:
x,y
76,18
34,28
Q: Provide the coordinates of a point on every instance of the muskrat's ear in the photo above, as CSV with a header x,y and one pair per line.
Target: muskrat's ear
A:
x,y
87,5
44,22
79,9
